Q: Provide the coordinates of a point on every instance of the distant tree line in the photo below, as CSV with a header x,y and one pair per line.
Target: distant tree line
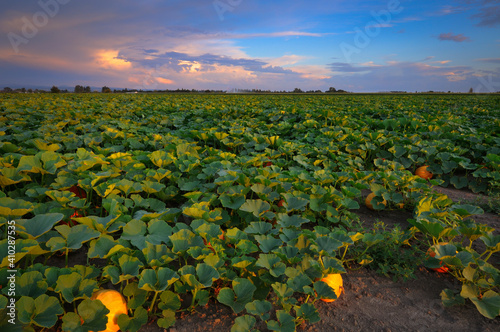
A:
x,y
81,89
105,89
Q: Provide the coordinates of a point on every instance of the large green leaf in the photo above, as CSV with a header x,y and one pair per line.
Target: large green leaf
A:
x,y
74,287
133,324
259,308
206,274
285,322
92,313
72,237
184,240
155,281
42,311
255,206
31,284
241,293
244,323
14,207
488,305
273,263
39,224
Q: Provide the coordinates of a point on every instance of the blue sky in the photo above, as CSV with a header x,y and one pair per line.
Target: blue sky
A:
x,y
359,46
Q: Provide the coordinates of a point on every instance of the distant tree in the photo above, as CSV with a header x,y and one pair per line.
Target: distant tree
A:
x,y
87,89
55,89
471,90
105,89
297,90
7,89
331,90
79,89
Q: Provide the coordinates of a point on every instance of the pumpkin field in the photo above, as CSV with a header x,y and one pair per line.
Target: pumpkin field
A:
x,y
147,209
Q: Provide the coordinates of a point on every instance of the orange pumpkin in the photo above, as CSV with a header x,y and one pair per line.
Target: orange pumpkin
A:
x,y
423,173
368,201
116,304
443,268
335,282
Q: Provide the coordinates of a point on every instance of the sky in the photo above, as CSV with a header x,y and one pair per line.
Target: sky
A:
x,y
355,45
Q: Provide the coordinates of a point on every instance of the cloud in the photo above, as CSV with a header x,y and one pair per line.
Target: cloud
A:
x,y
344,67
183,62
492,60
456,38
488,16
396,75
109,59
274,35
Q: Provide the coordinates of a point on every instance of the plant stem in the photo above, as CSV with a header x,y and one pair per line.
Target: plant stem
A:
x,y
153,303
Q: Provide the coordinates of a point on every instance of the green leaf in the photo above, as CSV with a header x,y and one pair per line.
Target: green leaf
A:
x,y
491,241
259,308
282,290
71,321
14,207
184,240
294,203
133,324
324,291
73,287
255,206
488,305
466,210
237,297
326,245
470,291
244,323
167,319
129,266
169,301
158,254
285,220
450,298
285,322
459,182
101,247
206,274
155,281
372,239
234,201
272,263
38,225
258,228
309,312
23,247
31,284
268,243
42,311
469,273
72,237
94,315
